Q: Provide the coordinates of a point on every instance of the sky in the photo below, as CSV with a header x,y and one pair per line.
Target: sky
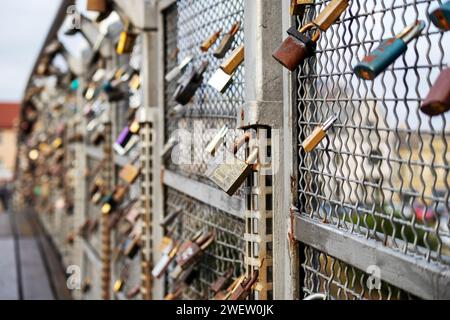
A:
x,y
23,27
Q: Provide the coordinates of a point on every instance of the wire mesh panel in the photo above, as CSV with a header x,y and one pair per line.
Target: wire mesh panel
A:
x,y
340,281
226,253
383,170
187,26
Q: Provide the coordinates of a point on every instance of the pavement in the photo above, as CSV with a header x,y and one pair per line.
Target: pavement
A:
x,y
26,271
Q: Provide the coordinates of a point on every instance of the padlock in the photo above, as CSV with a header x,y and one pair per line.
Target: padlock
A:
x,y
221,79
230,175
208,43
111,201
127,40
221,282
441,16
298,46
298,6
168,255
118,285
133,292
189,85
389,50
217,141
318,134
190,252
132,247
438,99
97,5
125,136
227,41
57,143
243,289
326,18
129,173
175,72
135,82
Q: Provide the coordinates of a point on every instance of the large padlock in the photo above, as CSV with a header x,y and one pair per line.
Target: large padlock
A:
x,y
377,61
230,175
227,41
438,99
299,46
189,85
441,16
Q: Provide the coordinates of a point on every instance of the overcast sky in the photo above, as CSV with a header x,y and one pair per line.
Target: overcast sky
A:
x,y
23,28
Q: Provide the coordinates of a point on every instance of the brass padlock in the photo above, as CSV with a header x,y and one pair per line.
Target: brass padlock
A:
x,y
438,99
129,173
230,175
227,41
221,79
330,14
127,40
97,5
208,43
118,285
318,134
298,6
299,46
189,85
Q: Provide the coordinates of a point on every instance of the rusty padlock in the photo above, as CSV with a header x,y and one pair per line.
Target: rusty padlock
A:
x,y
242,290
441,16
438,100
299,46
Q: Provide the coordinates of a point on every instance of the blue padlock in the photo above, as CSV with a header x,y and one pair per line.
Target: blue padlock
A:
x,y
441,16
389,50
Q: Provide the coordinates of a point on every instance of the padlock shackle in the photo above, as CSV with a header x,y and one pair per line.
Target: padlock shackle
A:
x,y
245,138
308,27
412,31
209,241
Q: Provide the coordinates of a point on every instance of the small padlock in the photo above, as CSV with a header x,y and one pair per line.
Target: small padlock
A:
x,y
97,5
132,247
118,285
57,143
389,50
318,134
298,46
441,16
221,282
175,72
189,85
130,173
243,289
221,79
438,99
127,40
133,292
227,41
230,176
168,255
125,136
208,43
298,6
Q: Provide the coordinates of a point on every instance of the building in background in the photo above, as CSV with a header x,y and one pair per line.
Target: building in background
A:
x,y
9,117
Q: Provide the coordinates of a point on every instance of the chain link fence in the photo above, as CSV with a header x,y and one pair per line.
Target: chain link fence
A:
x,y
383,171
